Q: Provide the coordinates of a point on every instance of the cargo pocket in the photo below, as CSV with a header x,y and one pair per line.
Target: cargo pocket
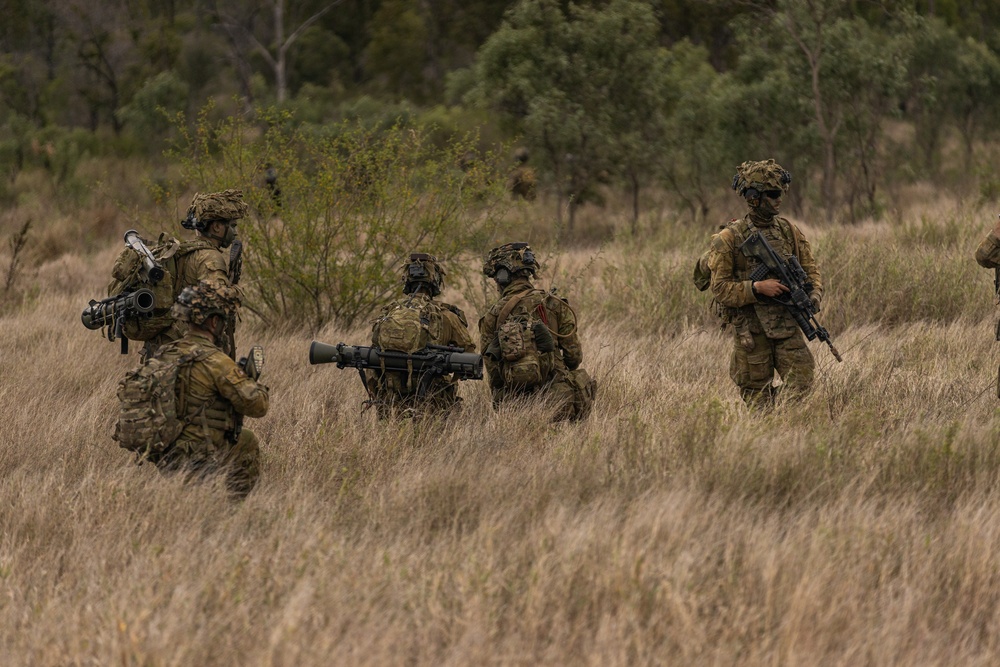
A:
x,y
760,371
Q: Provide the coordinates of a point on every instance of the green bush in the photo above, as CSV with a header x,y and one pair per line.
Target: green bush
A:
x,y
354,202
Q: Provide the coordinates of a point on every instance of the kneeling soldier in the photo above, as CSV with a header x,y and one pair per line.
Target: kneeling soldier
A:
x,y
184,409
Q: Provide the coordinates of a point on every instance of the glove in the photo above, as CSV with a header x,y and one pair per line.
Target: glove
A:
x,y
815,299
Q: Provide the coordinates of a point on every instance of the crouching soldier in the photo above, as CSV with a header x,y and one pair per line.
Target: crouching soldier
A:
x,y
183,410
529,338
409,325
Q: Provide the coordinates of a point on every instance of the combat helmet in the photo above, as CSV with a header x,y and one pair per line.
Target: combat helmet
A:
x,y
197,303
753,178
214,207
423,270
509,260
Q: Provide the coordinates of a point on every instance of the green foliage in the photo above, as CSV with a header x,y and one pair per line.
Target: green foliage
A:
x,y
157,100
582,84
354,203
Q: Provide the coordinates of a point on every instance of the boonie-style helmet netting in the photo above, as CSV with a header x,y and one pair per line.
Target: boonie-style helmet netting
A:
x,y
197,303
753,178
214,206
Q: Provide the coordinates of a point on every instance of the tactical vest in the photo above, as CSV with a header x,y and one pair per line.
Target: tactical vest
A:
x,y
772,320
525,334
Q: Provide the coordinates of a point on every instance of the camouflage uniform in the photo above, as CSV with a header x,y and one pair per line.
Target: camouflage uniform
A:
x,y
567,385
766,338
396,391
203,258
522,182
988,252
988,257
212,391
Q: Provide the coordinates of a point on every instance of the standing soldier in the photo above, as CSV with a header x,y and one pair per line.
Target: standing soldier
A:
x,y
183,410
766,337
522,182
410,325
530,340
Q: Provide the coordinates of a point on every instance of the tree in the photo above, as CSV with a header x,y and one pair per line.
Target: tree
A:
x,y
241,24
579,83
354,203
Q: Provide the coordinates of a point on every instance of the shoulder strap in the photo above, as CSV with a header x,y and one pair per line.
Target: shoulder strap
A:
x,y
511,304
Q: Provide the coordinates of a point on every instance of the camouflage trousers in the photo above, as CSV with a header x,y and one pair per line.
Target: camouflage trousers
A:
x,y
239,463
753,370
393,396
571,393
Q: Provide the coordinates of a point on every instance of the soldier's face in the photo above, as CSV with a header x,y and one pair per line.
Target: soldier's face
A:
x,y
771,201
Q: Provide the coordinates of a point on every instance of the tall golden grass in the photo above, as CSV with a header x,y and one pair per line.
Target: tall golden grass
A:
x,y
860,526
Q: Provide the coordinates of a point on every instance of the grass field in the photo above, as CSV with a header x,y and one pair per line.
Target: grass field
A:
x,y
860,526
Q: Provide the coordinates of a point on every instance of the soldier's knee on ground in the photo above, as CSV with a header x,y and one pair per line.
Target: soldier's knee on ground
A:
x,y
243,465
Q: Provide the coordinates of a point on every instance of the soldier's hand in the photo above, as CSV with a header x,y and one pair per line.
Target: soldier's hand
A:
x,y
253,363
815,301
771,287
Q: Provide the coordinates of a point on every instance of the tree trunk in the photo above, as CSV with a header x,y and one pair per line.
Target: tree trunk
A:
x,y
279,39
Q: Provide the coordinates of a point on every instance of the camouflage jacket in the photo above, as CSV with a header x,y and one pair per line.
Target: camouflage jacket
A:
x,y
731,270
211,391
554,311
198,259
988,252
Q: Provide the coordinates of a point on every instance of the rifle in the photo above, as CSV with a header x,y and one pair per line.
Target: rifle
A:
x,y
113,311
235,271
791,274
431,362
253,366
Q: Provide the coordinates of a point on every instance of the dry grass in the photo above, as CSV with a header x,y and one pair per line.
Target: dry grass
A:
x,y
861,526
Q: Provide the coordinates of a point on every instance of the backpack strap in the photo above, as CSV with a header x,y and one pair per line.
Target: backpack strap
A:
x,y
511,304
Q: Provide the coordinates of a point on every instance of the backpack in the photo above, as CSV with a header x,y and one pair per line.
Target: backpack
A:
x,y
407,326
524,341
148,422
125,277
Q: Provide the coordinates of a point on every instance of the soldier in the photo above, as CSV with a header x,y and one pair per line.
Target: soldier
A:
x,y
988,256
410,325
530,340
211,394
522,182
766,337
213,217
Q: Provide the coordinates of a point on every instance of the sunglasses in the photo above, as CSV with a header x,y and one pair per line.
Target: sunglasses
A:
x,y
772,194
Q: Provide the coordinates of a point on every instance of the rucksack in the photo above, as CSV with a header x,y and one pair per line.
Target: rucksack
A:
x,y
125,277
148,421
524,341
407,326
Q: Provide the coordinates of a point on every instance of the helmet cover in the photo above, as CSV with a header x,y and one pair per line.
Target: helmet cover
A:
x,y
196,303
515,257
215,207
423,269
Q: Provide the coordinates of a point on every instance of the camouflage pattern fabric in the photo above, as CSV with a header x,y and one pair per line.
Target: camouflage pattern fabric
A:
x,y
760,321
218,206
570,391
394,393
988,257
212,390
198,260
